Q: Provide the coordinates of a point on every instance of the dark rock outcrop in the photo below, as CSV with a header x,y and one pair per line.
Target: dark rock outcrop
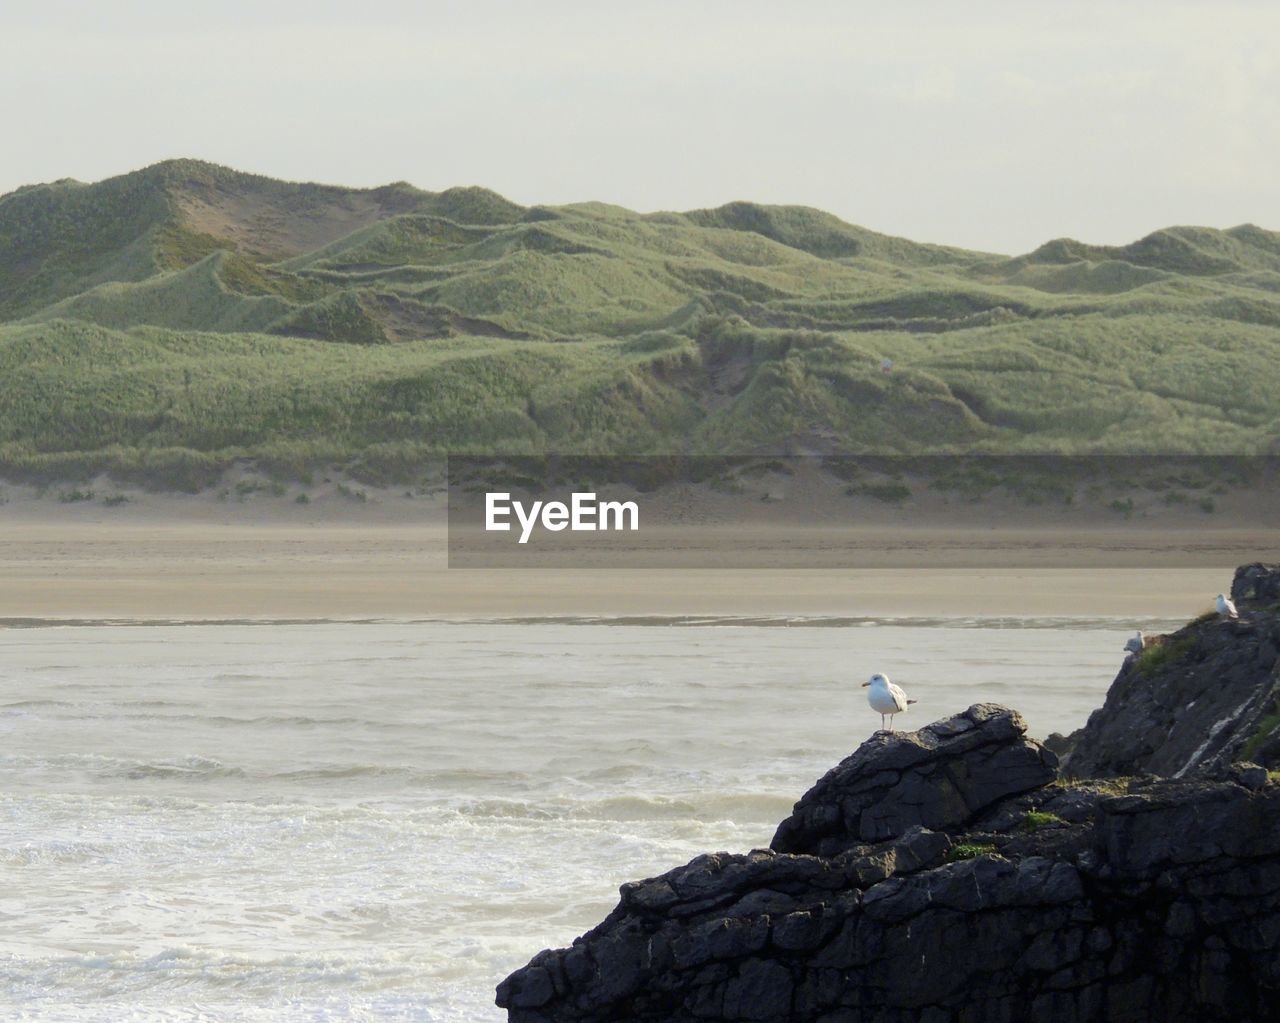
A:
x,y
957,880
950,874
1256,583
940,777
1196,699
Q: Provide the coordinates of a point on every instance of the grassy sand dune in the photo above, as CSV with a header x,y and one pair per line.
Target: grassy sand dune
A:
x,y
167,323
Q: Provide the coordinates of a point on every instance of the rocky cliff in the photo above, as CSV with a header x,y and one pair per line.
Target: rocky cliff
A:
x,y
1200,697
953,875
1047,901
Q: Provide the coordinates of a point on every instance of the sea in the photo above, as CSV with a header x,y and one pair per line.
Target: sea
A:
x,y
314,821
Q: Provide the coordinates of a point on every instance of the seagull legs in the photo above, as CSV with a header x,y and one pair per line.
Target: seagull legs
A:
x,y
882,722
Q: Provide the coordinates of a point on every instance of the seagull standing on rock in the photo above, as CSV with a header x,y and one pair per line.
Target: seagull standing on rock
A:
x,y
1226,608
1135,644
886,698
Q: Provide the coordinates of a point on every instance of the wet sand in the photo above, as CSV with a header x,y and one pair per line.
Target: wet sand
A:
x,y
190,560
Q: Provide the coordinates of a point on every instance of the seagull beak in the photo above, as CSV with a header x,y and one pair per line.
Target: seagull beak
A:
x,y
865,684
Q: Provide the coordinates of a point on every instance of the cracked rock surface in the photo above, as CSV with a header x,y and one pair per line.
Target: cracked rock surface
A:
x,y
1197,699
948,875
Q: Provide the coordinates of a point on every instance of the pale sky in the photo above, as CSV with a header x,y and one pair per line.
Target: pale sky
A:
x,y
990,125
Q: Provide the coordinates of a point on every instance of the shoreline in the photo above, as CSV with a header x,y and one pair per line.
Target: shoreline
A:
x,y
177,569
958,622
197,558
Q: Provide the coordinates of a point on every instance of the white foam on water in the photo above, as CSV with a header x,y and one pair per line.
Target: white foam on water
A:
x,y
380,821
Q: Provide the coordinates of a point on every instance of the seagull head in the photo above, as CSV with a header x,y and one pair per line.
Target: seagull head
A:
x,y
876,680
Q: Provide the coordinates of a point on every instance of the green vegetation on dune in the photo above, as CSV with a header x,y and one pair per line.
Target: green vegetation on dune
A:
x,y
821,234
197,298
167,322
151,395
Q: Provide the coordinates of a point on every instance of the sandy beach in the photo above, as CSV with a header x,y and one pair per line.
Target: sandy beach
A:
x,y
197,558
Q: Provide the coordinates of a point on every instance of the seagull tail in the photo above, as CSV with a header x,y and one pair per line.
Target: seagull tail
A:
x,y
912,701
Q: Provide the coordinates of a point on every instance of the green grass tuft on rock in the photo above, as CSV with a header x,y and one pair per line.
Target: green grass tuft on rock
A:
x,y
1162,652
969,851
1254,743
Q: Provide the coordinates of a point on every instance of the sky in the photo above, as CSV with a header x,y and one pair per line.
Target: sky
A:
x,y
989,125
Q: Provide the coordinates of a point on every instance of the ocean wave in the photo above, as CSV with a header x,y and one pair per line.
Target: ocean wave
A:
x,y
115,976
828,621
198,768
147,711
631,621
191,766
261,721
737,806
47,851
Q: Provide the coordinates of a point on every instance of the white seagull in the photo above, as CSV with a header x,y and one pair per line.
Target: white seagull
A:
x,y
1136,643
1225,607
886,698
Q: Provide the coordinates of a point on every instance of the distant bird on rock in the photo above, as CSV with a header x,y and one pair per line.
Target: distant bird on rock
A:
x,y
1226,608
1135,644
886,698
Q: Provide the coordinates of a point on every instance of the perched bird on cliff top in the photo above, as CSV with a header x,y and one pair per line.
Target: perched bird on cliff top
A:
x,y
886,698
1226,608
1135,644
